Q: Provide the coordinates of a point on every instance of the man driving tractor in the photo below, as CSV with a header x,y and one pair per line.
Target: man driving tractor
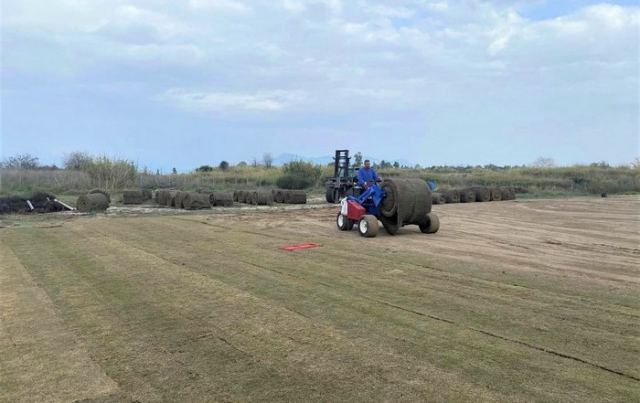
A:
x,y
367,176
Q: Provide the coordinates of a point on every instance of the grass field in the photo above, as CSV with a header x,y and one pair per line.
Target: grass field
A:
x,y
534,300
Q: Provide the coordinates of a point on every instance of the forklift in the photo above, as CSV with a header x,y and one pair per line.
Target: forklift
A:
x,y
343,181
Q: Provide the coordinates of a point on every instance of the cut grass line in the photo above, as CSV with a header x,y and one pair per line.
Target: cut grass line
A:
x,y
520,342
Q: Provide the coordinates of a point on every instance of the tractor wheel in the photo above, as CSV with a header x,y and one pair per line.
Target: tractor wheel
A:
x,y
432,225
331,195
343,223
368,226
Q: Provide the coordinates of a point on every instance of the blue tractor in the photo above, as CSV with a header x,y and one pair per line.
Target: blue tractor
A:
x,y
394,202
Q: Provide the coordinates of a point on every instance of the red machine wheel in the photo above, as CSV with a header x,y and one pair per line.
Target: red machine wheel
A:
x,y
343,223
368,226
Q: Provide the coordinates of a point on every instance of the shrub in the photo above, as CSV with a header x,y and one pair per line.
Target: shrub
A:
x,y
204,168
290,181
299,175
112,174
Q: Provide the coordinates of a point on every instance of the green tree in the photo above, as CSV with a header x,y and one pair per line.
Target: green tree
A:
x,y
224,165
267,160
204,168
357,160
78,161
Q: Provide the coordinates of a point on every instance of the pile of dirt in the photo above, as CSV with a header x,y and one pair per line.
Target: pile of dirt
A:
x,y
133,197
13,204
91,202
221,199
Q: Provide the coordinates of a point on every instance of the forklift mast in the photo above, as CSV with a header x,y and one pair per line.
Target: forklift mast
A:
x,y
342,161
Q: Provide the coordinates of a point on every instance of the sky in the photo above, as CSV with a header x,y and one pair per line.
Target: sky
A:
x,y
183,83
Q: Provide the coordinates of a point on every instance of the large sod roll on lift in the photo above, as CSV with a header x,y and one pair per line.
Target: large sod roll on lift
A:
x,y
92,202
407,201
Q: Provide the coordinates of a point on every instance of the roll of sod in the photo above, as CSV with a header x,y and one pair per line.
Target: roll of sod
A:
x,y
407,201
467,196
221,199
508,194
132,197
496,194
279,195
160,196
175,199
262,198
482,193
101,191
437,198
452,196
92,202
195,201
295,197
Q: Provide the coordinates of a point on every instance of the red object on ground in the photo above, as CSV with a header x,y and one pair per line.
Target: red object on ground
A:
x,y
299,246
355,211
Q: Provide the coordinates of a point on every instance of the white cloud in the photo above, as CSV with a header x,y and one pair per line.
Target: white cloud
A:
x,y
392,12
221,5
262,101
438,6
342,57
293,6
